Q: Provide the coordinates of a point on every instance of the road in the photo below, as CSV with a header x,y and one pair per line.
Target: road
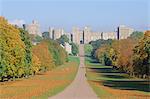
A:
x,y
79,88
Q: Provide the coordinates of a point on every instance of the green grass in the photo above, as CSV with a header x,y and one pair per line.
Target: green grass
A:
x,y
74,59
110,77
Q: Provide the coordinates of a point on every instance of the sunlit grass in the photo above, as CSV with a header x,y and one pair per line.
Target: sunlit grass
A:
x,y
41,86
107,82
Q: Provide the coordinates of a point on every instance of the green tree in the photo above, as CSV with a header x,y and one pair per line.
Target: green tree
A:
x,y
88,49
35,38
141,58
75,49
28,50
98,43
38,38
137,35
59,54
63,39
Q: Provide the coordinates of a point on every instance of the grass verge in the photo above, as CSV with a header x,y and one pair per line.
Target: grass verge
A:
x,y
109,83
43,85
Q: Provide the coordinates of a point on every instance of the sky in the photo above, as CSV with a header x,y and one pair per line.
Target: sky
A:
x,y
100,15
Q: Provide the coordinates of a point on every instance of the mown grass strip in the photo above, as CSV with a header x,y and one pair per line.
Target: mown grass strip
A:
x,y
106,81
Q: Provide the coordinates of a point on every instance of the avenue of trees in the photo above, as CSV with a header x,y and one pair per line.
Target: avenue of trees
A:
x,y
19,58
131,55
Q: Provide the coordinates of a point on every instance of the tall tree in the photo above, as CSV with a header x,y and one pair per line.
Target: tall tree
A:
x,y
141,58
12,51
28,50
45,57
75,49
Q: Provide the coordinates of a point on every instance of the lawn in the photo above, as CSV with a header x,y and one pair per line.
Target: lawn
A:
x,y
42,85
109,83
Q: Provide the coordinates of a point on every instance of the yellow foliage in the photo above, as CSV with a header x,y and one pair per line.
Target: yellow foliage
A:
x,y
42,52
12,49
36,63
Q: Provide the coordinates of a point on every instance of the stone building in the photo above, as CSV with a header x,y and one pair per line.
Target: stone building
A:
x,y
85,35
34,28
77,35
124,32
55,33
109,35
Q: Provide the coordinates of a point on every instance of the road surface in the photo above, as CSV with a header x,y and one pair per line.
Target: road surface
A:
x,y
79,88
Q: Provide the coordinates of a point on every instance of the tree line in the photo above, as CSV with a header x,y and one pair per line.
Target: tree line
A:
x,y
131,55
20,58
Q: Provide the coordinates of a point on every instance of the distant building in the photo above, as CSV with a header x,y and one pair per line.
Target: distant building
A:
x,y
69,36
58,33
55,33
77,35
51,33
34,28
67,47
109,35
123,32
84,36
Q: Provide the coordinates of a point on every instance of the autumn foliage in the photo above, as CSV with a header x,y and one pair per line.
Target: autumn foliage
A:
x,y
19,58
46,59
128,55
12,51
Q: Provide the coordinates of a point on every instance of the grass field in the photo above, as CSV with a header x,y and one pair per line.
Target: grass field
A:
x,y
109,83
43,85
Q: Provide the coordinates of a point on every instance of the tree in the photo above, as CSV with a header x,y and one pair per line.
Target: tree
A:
x,y
141,56
125,54
75,49
35,38
136,35
88,49
36,64
59,54
38,38
45,57
102,54
98,43
28,50
12,51
63,39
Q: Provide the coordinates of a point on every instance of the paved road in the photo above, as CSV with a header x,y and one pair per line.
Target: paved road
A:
x,y
79,88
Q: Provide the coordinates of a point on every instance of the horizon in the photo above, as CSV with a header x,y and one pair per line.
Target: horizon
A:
x,y
102,15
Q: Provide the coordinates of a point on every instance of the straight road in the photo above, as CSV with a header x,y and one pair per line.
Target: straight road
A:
x,y
79,88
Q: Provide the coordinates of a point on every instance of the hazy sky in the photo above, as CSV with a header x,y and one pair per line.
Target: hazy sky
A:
x,y
101,15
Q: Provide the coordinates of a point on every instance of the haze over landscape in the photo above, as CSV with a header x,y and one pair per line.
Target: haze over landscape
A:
x,y
101,15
